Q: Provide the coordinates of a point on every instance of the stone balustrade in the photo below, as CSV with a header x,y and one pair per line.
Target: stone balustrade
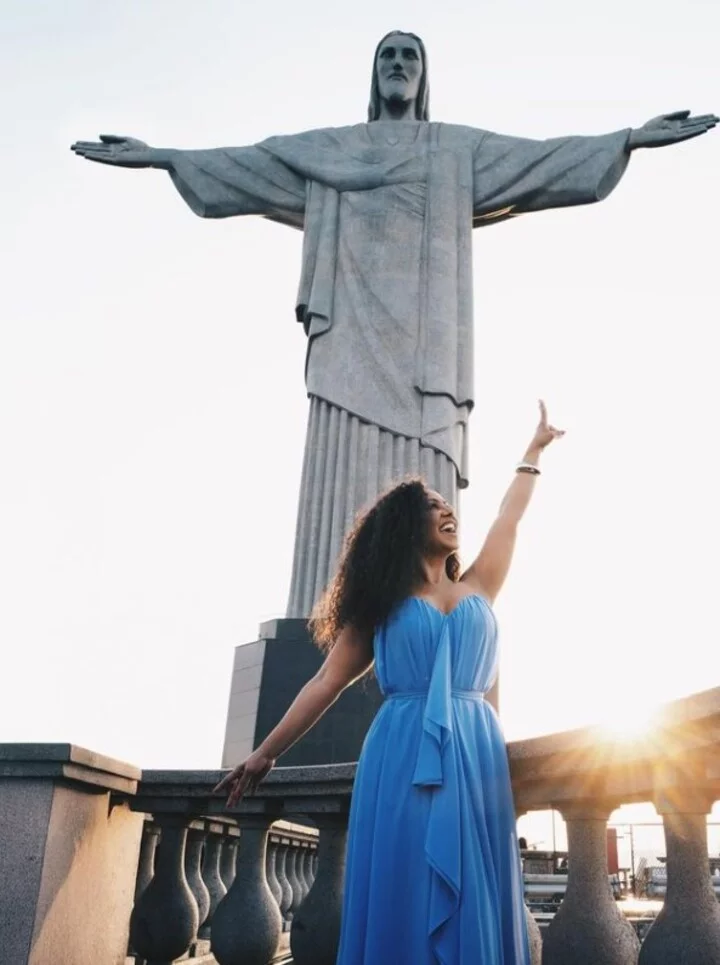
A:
x,y
286,892
99,862
585,776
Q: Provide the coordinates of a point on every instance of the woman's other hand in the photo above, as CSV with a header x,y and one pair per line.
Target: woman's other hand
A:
x,y
245,778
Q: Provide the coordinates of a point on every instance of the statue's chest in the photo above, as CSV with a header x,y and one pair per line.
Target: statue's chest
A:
x,y
392,205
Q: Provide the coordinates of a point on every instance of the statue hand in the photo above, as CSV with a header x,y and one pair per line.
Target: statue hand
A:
x,y
671,129
126,152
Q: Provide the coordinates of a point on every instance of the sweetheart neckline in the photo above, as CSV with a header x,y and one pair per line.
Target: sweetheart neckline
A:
x,y
468,596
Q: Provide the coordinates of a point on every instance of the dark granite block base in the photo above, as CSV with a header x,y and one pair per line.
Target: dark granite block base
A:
x,y
267,675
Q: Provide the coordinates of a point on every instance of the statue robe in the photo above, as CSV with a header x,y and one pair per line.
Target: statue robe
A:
x,y
385,290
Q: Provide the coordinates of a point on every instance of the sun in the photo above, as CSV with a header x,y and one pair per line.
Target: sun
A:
x,y
629,723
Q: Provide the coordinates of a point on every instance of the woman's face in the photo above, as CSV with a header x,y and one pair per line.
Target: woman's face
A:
x,y
442,526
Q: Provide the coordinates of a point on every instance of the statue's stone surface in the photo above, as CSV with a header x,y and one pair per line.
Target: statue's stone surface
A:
x,y
385,290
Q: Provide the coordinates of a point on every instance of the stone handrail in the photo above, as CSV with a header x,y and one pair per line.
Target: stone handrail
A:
x,y
79,844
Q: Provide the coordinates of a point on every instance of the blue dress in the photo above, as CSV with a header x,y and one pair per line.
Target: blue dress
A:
x,y
433,868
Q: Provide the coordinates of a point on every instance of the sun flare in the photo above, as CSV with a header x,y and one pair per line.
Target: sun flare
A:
x,y
629,723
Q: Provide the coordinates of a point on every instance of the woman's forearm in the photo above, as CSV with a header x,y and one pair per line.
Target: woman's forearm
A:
x,y
520,490
312,701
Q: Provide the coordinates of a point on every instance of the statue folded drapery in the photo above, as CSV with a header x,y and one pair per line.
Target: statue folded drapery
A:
x,y
385,294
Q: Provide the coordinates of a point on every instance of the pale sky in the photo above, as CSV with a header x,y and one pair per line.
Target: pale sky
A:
x,y
152,406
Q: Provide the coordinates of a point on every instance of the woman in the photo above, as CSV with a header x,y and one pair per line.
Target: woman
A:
x,y
432,823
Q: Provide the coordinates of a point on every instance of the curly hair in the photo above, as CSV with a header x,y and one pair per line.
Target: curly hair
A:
x,y
381,565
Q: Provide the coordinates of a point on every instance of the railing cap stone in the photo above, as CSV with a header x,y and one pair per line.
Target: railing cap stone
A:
x,y
689,713
68,762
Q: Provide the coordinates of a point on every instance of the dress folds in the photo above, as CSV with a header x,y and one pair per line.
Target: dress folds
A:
x,y
433,871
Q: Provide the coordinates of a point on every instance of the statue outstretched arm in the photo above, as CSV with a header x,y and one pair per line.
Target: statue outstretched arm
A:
x,y
515,175
216,183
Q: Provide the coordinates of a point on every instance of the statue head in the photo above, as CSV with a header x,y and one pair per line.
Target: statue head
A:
x,y
400,75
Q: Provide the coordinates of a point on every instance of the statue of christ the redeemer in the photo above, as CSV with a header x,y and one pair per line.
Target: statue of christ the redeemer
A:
x,y
387,209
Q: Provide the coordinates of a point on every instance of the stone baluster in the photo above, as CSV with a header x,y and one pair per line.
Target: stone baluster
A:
x,y
533,929
310,865
247,926
272,880
164,921
293,879
146,862
314,866
301,870
315,934
211,875
534,938
687,930
193,870
228,858
281,871
588,926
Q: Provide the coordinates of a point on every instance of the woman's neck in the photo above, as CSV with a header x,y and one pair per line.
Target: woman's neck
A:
x,y
435,572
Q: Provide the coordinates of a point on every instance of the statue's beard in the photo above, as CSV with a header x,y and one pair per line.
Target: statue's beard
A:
x,y
398,104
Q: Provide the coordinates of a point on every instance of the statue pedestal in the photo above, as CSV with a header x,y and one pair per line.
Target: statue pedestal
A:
x,y
267,675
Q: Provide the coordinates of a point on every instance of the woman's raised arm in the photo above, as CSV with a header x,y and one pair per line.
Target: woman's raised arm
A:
x,y
487,574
